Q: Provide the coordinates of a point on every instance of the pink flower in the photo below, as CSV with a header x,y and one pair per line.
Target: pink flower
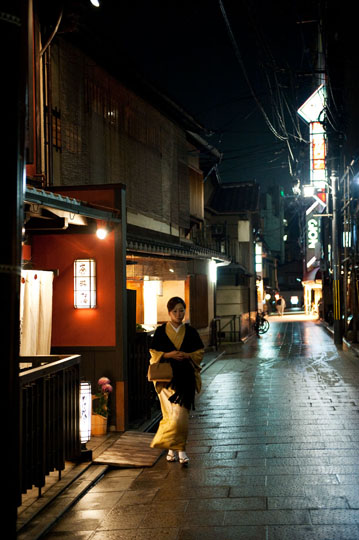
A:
x,y
103,380
106,388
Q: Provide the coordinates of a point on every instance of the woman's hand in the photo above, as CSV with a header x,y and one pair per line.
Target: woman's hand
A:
x,y
176,355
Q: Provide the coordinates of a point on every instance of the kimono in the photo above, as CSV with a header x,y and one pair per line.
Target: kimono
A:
x,y
177,397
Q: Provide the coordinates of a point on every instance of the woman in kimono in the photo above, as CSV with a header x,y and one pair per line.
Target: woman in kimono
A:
x,y
180,345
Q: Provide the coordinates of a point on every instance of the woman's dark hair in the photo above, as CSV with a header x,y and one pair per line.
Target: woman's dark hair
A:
x,y
172,303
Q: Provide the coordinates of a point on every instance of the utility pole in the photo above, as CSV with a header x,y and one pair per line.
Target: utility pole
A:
x,y
336,262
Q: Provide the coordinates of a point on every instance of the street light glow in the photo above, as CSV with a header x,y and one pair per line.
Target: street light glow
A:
x,y
308,191
101,233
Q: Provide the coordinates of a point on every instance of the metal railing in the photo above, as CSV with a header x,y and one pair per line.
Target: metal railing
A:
x,y
231,328
49,417
226,328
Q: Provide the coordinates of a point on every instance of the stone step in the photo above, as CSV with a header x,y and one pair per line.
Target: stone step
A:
x,y
56,502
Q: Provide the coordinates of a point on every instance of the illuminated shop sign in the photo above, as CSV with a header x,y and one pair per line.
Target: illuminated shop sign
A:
x,y
318,173
313,112
313,241
312,233
85,283
313,109
259,266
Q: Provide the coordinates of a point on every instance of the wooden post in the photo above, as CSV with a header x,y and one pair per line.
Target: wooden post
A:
x,y
121,405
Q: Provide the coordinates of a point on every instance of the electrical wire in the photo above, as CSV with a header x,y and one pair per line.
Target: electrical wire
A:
x,y
241,63
54,32
278,100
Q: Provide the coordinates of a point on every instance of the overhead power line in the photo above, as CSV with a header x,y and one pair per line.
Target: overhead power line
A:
x,y
241,63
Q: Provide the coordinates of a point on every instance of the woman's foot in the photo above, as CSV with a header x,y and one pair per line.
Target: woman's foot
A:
x,y
171,456
183,458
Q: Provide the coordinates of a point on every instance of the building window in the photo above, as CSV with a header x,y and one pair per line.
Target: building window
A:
x,y
72,138
56,129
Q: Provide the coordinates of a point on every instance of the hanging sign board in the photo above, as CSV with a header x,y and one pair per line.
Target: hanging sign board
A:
x,y
312,240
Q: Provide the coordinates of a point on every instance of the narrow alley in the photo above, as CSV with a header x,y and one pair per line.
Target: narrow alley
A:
x,y
274,450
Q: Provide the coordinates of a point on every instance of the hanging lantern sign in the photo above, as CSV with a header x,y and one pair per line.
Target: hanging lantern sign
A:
x,y
85,411
85,283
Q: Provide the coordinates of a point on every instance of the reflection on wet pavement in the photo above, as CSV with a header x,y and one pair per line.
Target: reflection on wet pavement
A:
x,y
284,413
274,450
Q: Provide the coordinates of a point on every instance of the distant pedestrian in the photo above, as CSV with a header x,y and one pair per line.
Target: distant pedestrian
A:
x,y
181,345
314,309
280,305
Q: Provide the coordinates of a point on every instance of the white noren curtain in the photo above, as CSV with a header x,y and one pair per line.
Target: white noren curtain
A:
x,y
35,312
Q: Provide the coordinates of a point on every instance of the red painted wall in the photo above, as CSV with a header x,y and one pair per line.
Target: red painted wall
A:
x,y
79,327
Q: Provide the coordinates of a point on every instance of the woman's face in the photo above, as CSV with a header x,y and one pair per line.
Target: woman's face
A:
x,y
177,314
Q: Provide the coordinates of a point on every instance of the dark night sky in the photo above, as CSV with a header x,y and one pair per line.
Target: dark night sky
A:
x,y
184,48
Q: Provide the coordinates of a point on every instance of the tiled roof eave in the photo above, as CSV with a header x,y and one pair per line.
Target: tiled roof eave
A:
x,y
192,251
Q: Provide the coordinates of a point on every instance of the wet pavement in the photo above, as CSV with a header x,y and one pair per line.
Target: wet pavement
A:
x,y
274,449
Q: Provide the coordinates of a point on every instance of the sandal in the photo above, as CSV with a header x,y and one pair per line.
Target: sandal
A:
x,y
184,460
171,456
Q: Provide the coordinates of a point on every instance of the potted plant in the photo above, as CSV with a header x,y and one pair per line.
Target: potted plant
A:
x,y
100,407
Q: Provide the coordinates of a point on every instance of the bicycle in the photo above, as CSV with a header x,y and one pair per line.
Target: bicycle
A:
x,y
261,324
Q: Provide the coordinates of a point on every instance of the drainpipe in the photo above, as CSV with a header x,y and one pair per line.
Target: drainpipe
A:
x,y
48,114
45,55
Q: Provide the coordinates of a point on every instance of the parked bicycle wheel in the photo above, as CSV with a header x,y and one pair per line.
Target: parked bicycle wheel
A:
x,y
264,327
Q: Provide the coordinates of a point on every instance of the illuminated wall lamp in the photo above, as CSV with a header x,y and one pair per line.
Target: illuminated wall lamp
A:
x,y
102,229
85,283
85,419
101,232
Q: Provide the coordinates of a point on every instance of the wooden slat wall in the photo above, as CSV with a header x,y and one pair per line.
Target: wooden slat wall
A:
x,y
183,195
196,193
199,300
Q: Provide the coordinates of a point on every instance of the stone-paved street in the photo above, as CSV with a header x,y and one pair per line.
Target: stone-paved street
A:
x,y
274,448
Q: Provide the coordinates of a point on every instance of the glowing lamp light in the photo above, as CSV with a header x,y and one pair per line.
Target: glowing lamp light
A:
x,y
267,296
308,191
213,271
103,228
95,3
150,290
85,283
101,233
294,300
85,411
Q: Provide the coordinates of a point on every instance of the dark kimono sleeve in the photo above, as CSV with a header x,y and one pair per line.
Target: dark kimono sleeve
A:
x,y
160,341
